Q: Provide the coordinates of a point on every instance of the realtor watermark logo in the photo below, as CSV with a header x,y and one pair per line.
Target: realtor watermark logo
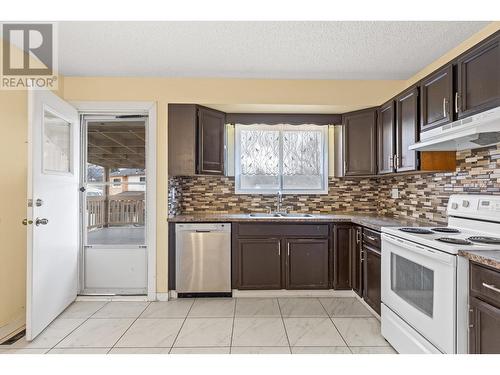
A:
x,y
29,58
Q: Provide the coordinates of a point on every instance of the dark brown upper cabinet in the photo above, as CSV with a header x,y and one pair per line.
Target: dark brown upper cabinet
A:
x,y
407,131
436,99
307,263
210,141
360,142
479,78
385,135
195,140
342,244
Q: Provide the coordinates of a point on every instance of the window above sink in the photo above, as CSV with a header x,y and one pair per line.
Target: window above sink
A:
x,y
292,159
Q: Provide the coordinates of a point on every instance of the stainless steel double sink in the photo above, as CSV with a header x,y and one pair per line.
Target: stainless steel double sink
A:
x,y
279,215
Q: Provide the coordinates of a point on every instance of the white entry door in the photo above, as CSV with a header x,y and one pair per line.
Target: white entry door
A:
x,y
53,221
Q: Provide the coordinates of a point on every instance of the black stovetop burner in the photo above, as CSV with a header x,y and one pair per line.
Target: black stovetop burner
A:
x,y
485,239
445,230
454,241
416,230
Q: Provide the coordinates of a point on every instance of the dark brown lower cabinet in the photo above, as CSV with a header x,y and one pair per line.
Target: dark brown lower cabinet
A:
x,y
279,256
307,263
371,287
342,244
357,261
259,263
484,328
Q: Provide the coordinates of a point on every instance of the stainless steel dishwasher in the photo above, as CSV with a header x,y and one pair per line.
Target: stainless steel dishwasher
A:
x,y
203,259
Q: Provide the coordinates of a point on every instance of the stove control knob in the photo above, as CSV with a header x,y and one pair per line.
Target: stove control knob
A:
x,y
454,205
465,204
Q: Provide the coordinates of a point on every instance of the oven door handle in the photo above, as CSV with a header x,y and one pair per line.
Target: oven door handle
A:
x,y
423,250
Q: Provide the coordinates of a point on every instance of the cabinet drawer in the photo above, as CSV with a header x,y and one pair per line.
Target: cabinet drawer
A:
x,y
371,237
485,283
283,230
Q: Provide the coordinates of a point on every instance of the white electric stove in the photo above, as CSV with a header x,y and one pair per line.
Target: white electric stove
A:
x,y
425,284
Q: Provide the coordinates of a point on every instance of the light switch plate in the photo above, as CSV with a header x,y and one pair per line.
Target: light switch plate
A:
x,y
395,193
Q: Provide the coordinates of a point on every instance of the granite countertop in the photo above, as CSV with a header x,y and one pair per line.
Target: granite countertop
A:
x,y
372,221
489,258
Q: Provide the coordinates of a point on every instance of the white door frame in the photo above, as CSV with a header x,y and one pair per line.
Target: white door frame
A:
x,y
149,109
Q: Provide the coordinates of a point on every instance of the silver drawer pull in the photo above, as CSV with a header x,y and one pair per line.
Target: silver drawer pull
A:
x,y
371,238
491,287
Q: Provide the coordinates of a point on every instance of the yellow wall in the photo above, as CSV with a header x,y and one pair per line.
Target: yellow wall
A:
x,y
13,167
344,95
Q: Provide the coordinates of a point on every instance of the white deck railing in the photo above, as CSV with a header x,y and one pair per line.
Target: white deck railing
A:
x,y
120,211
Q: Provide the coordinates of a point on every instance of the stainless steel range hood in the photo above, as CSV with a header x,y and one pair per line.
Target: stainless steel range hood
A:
x,y
475,131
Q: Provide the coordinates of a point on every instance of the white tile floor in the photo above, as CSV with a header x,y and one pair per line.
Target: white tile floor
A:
x,y
212,326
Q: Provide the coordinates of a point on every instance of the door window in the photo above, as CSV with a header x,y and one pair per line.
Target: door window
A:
x,y
413,282
56,144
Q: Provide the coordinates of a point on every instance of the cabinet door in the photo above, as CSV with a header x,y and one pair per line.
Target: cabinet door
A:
x,y
479,78
436,100
484,328
386,130
356,261
371,288
360,143
307,264
406,130
210,141
342,242
259,263
182,139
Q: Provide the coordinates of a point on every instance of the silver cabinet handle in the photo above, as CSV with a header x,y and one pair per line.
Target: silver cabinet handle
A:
x,y
288,248
371,238
457,107
39,221
279,248
491,287
445,107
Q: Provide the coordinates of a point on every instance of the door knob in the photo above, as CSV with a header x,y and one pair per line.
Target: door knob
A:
x,y
39,221
26,221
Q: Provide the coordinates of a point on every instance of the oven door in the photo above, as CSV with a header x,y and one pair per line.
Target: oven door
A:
x,y
419,285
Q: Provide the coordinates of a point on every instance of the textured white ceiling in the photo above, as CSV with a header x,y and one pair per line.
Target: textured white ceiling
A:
x,y
310,50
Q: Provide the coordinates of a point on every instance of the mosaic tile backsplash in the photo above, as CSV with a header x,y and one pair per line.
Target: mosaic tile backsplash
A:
x,y
422,196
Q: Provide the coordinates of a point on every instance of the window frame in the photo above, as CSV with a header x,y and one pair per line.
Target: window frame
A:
x,y
281,127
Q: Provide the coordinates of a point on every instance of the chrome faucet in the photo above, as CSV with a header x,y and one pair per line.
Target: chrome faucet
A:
x,y
279,202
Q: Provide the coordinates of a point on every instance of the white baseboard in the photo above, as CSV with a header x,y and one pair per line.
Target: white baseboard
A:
x,y
163,297
12,328
172,294
112,298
